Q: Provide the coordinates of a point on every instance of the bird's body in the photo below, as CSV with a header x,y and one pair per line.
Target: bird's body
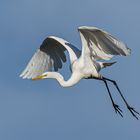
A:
x,y
97,45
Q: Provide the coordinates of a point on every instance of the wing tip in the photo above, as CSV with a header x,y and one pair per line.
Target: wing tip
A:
x,y
21,75
87,27
127,51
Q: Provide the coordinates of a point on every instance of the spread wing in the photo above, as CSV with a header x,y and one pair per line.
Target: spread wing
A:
x,y
100,44
50,57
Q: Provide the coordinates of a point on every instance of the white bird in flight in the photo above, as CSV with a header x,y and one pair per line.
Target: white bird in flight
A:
x,y
97,45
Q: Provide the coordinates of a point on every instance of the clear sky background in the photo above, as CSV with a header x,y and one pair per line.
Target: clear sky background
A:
x,y
40,110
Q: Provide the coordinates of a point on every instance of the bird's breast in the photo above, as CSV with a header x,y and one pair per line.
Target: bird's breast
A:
x,y
85,68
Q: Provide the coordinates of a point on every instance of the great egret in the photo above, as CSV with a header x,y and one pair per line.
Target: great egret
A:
x,y
97,44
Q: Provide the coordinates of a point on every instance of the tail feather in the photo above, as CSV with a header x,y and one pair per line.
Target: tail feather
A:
x,y
106,64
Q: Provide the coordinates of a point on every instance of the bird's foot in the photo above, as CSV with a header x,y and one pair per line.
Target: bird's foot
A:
x,y
117,109
133,111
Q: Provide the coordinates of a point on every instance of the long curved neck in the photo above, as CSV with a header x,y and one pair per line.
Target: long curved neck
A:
x,y
70,82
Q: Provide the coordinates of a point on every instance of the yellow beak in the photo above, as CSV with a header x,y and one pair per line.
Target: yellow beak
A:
x,y
38,77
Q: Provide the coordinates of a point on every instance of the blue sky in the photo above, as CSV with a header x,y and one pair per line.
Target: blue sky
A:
x,y
32,110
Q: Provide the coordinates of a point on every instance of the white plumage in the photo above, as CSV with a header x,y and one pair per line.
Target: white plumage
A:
x,y
97,45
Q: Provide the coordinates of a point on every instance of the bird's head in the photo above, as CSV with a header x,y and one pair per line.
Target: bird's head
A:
x,y
42,76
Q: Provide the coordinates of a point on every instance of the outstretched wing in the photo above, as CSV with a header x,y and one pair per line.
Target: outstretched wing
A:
x,y
100,44
50,57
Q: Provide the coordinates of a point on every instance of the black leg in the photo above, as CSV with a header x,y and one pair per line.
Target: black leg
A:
x,y
131,109
116,107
